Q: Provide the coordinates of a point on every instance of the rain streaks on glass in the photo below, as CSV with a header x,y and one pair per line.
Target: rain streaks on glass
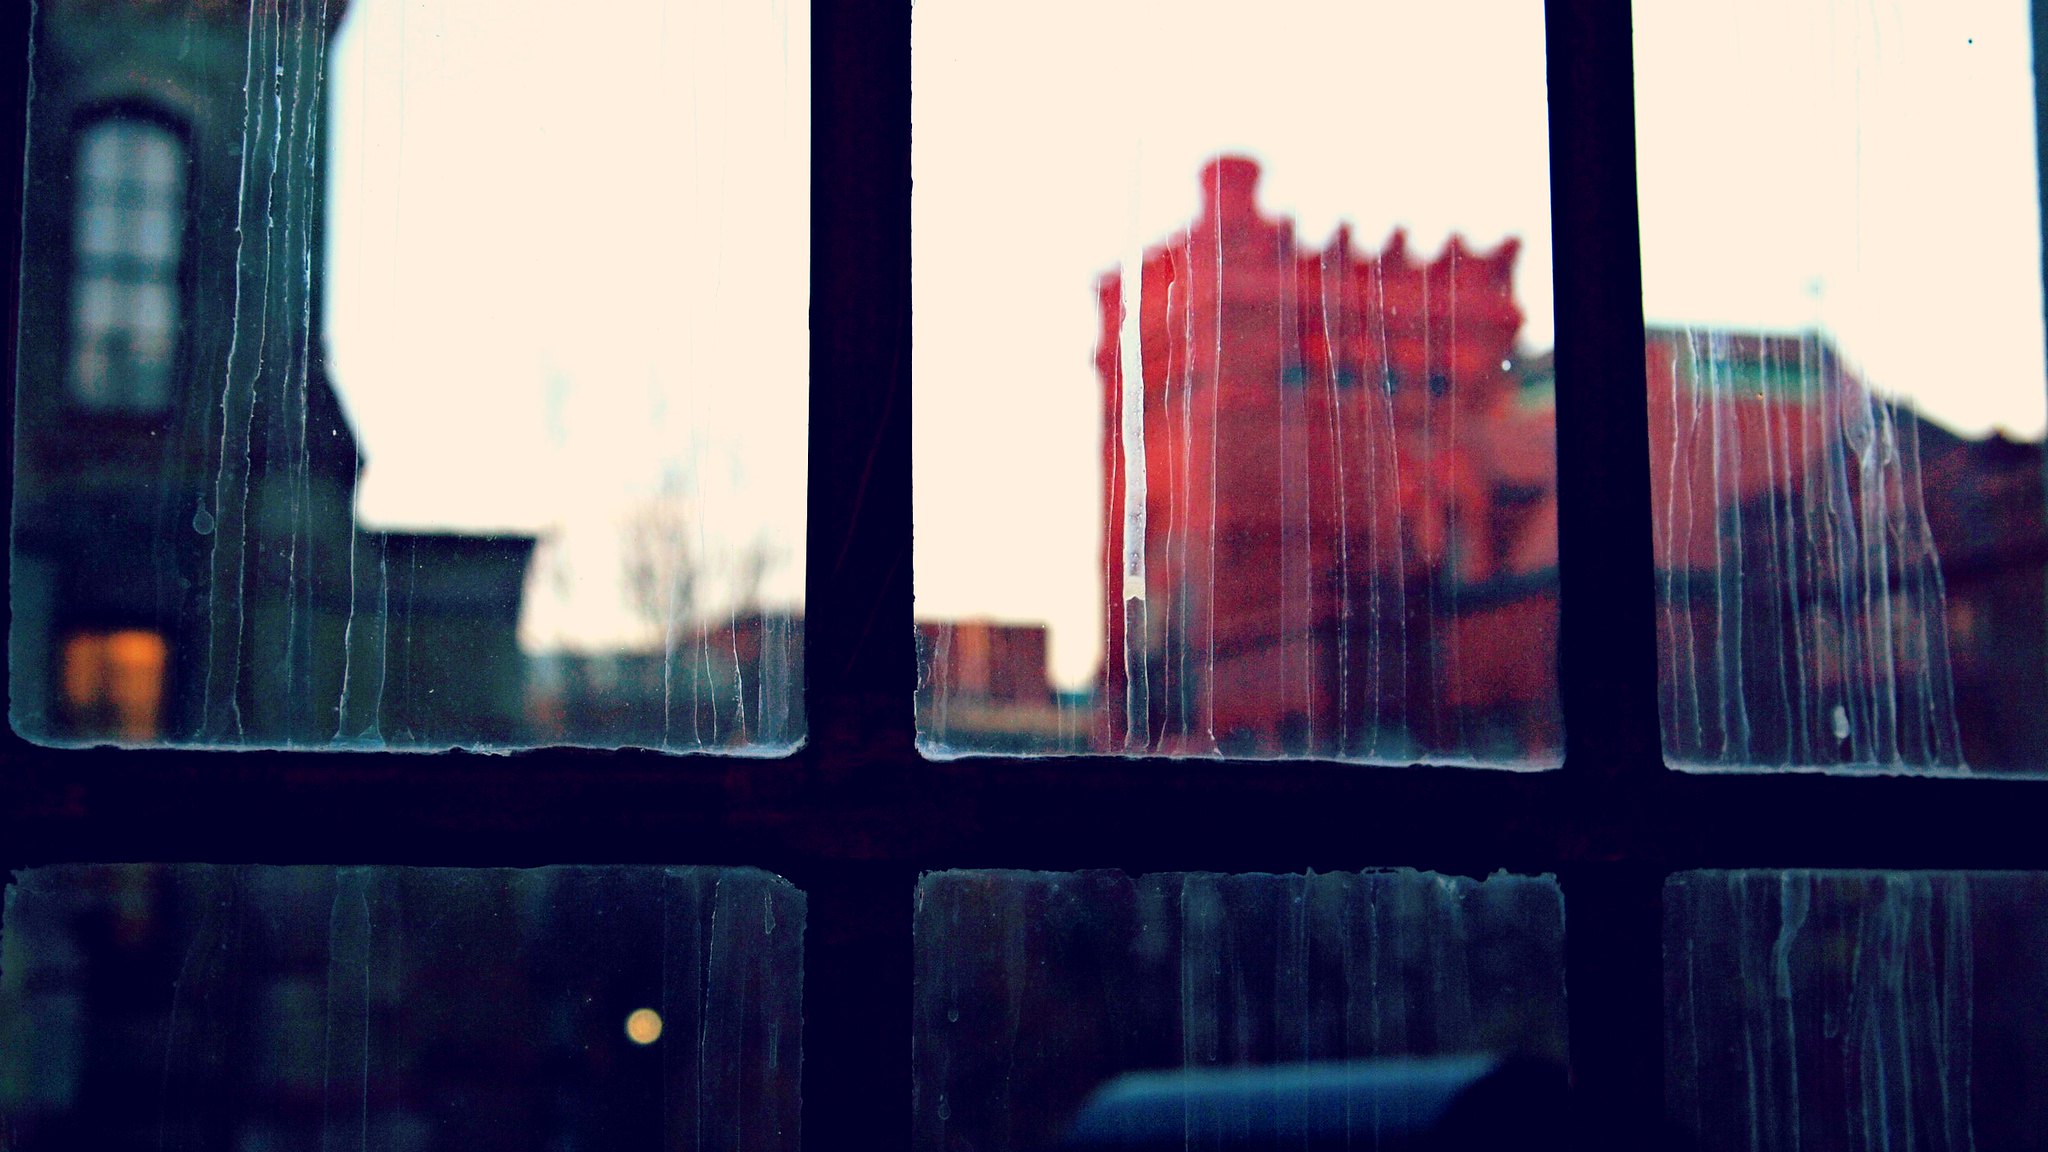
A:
x,y
1842,281
1856,1010
1234,384
413,373
1034,989
193,1007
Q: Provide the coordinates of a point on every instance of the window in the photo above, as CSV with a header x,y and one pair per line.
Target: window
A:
x,y
1035,988
1195,532
114,683
1846,401
1832,1008
856,816
393,1007
401,483
128,236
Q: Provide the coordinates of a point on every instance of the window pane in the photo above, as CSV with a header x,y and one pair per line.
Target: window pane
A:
x,y
1825,1010
419,373
1035,988
188,1007
1842,278
130,202
1304,502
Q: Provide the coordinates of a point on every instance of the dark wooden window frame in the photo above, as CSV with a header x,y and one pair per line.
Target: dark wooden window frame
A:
x,y
857,815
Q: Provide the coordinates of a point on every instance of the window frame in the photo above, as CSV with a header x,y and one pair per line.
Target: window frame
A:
x,y
856,815
90,118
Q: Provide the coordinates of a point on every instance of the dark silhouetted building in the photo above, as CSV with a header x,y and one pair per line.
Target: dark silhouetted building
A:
x,y
186,565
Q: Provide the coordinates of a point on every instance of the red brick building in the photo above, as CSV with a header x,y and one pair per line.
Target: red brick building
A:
x,y
1330,525
1329,528
1328,498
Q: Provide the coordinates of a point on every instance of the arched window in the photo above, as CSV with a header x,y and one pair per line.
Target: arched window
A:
x,y
126,241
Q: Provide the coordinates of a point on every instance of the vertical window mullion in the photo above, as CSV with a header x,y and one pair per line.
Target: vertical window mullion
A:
x,y
1613,755
857,1004
860,660
1614,989
1608,639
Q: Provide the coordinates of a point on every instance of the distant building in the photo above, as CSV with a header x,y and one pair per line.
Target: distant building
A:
x,y
727,683
1330,525
1986,510
986,687
1328,503
1839,581
185,563
1799,584
451,670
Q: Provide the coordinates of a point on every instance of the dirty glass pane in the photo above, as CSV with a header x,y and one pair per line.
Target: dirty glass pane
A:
x,y
1234,426
1842,281
1034,989
412,373
201,1007
1856,1010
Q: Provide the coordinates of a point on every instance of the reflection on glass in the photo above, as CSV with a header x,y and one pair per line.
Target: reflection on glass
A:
x,y
1035,988
190,1007
1856,1010
1841,274
1305,504
404,399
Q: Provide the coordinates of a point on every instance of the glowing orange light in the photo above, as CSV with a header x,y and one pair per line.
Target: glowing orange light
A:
x,y
643,1026
114,682
135,681
84,669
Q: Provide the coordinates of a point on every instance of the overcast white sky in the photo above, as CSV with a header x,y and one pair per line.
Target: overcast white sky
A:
x,y
569,255
1867,168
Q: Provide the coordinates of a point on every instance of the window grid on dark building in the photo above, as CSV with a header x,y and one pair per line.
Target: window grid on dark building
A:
x,y
129,233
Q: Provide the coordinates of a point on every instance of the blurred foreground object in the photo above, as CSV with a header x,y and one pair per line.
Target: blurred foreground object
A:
x,y
1451,1102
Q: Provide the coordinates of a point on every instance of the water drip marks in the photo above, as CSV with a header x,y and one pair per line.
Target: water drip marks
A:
x,y
1804,619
